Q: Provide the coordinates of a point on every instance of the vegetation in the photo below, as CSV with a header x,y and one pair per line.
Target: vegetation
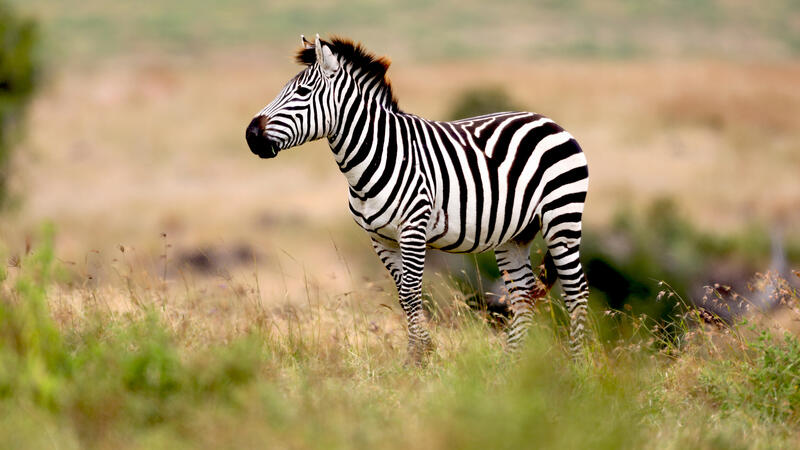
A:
x,y
18,77
481,100
95,374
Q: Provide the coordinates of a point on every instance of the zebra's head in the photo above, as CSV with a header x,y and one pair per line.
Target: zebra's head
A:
x,y
304,109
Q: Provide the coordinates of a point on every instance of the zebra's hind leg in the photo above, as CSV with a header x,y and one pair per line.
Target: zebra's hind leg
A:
x,y
513,260
564,246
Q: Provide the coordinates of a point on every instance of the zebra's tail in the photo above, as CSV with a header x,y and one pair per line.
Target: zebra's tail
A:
x,y
547,276
545,280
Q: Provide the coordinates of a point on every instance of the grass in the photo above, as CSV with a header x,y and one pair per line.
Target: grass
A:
x,y
169,369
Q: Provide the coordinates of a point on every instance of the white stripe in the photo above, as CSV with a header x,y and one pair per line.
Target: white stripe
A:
x,y
531,165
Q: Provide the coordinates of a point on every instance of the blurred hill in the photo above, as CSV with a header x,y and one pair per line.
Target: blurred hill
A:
x,y
731,29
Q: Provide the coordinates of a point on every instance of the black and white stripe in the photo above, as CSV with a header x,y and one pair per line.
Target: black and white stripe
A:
x,y
484,183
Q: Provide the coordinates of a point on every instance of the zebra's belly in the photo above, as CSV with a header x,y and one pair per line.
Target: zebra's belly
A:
x,y
454,231
449,233
442,233
450,242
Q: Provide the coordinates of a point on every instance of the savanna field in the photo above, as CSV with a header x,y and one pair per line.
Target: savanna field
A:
x,y
165,288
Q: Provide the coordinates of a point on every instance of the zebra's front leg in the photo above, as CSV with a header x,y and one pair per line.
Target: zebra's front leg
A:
x,y
405,263
412,251
390,257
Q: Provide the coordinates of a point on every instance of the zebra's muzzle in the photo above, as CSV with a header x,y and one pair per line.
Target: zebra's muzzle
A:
x,y
257,139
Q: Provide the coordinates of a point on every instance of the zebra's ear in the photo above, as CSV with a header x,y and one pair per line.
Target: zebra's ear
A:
x,y
306,45
325,57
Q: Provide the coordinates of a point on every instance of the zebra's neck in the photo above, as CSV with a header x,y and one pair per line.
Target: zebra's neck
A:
x,y
369,137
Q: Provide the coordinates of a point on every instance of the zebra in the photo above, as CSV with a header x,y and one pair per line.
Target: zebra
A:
x,y
491,182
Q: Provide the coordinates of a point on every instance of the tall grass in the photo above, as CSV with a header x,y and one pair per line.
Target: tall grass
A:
x,y
331,375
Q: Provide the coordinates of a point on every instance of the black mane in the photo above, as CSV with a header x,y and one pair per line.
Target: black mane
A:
x,y
359,57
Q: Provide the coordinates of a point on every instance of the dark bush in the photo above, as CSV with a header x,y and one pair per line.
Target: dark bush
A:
x,y
626,262
481,100
18,75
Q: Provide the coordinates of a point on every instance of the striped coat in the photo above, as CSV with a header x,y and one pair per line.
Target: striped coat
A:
x,y
484,183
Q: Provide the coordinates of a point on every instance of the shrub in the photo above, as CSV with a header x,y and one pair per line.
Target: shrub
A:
x,y
481,100
33,359
102,372
18,76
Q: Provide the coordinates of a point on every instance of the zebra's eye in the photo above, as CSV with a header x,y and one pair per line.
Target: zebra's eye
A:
x,y
302,90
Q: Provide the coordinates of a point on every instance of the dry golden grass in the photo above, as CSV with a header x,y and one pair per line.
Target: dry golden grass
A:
x,y
150,362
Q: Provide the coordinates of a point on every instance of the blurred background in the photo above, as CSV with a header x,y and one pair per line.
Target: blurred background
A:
x,y
125,129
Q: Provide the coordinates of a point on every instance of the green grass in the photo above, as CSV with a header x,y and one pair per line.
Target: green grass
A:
x,y
143,379
766,385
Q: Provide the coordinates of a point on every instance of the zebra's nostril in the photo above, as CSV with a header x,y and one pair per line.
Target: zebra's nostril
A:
x,y
262,122
256,127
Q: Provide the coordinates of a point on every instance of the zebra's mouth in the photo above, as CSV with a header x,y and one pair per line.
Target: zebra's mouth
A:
x,y
263,147
268,151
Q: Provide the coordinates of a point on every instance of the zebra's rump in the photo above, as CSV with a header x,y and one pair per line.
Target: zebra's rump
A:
x,y
500,177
